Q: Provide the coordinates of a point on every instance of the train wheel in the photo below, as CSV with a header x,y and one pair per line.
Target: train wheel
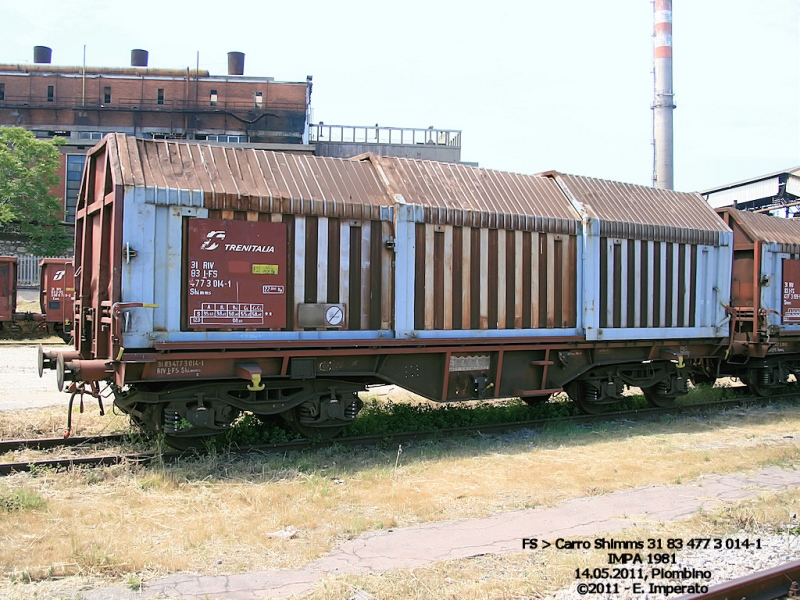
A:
x,y
761,384
656,396
765,391
325,417
585,398
310,431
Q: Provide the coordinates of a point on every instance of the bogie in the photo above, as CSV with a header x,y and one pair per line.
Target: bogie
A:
x,y
315,408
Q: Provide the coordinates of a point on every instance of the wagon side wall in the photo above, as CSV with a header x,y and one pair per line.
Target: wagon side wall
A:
x,y
779,285
394,277
650,289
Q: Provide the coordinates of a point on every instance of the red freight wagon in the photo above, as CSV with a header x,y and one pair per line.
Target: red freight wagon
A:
x,y
57,292
8,288
214,280
765,300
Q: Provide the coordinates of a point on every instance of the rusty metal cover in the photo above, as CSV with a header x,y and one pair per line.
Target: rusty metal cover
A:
x,y
462,195
644,213
236,275
248,179
791,291
766,228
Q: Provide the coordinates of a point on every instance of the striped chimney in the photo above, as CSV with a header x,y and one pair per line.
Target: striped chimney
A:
x,y
663,104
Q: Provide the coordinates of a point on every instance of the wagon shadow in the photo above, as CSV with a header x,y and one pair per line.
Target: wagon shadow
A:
x,y
337,461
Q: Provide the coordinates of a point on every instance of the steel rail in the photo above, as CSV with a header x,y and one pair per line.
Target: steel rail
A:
x,y
778,582
45,443
384,438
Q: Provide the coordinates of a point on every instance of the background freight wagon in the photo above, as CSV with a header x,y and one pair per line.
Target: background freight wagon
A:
x,y
765,300
56,291
307,278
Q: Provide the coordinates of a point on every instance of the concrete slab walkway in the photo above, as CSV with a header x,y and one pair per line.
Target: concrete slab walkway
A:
x,y
498,534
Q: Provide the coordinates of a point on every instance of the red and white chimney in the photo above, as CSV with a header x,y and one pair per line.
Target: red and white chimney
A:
x,y
663,105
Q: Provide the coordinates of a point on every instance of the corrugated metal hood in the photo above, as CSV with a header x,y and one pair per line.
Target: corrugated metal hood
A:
x,y
462,195
251,179
644,213
766,228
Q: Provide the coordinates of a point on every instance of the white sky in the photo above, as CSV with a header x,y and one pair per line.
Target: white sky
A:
x,y
534,85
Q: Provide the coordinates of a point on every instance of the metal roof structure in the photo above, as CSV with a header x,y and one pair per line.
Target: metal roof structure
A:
x,y
235,178
249,179
639,212
463,195
369,186
771,191
766,228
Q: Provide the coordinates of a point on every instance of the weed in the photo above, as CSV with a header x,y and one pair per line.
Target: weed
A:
x,y
150,483
90,554
40,470
250,430
135,583
20,499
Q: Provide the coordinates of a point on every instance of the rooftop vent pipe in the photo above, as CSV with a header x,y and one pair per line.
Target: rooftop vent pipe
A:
x,y
139,58
235,63
42,55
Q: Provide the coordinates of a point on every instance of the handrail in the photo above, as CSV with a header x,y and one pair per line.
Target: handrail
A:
x,y
376,134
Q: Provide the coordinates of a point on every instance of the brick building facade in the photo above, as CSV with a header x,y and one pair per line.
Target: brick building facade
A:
x,y
82,104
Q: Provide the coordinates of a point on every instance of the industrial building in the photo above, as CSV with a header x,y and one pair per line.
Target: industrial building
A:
x,y
82,104
778,191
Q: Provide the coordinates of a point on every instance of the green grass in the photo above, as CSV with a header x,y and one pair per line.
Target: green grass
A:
x,y
20,500
252,430
390,417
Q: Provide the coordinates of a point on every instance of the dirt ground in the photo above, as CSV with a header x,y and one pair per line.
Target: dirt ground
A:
x,y
20,386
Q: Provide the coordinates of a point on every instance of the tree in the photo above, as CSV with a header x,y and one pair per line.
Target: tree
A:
x,y
27,172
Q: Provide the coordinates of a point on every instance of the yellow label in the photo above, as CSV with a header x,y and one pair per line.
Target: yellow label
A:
x,y
265,269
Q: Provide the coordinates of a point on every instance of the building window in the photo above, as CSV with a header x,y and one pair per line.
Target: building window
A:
x,y
51,92
75,164
213,97
164,136
90,135
107,94
160,96
2,91
236,139
259,99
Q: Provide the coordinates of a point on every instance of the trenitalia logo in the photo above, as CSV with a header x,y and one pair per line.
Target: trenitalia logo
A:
x,y
248,248
214,237
210,243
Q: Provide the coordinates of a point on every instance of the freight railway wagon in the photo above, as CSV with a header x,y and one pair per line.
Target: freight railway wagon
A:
x,y
764,346
56,289
218,280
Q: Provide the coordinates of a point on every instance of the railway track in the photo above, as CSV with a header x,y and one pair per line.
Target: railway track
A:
x,y
62,442
779,582
145,458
